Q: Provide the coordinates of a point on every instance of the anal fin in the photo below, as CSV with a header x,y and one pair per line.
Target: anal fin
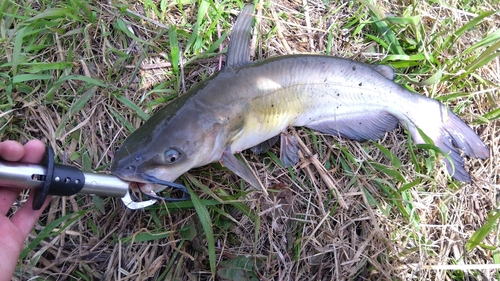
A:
x,y
360,127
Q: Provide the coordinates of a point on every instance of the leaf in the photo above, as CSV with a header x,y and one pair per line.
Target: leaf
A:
x,y
490,39
414,20
195,36
434,79
452,39
199,186
217,43
122,120
482,232
369,197
275,158
188,232
29,77
88,80
240,268
206,223
147,236
488,55
409,185
392,43
492,115
51,14
392,157
61,223
16,51
417,57
133,106
388,171
174,49
99,204
43,66
122,26
76,106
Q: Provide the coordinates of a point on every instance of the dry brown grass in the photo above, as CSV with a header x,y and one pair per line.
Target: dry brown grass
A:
x,y
320,224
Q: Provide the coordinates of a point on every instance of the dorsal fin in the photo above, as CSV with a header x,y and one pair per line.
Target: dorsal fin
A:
x,y
385,70
238,51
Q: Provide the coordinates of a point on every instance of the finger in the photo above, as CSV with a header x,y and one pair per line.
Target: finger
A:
x,y
7,198
11,150
34,151
26,217
31,152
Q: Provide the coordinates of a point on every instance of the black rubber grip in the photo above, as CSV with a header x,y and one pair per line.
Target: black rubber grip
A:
x,y
60,180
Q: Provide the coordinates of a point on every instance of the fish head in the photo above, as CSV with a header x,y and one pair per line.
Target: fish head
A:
x,y
167,146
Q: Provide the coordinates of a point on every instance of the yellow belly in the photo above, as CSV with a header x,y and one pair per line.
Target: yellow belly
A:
x,y
266,117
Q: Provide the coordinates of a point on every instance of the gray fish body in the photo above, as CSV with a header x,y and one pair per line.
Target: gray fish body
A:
x,y
247,104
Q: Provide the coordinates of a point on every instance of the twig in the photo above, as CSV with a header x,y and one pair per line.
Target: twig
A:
x,y
147,19
279,33
325,176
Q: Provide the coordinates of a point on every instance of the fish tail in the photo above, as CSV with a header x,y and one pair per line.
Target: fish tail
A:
x,y
452,136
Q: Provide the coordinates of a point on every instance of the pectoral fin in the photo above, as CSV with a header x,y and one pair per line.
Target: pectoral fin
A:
x,y
240,169
289,153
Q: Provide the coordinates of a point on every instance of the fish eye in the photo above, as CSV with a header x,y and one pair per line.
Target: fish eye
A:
x,y
171,155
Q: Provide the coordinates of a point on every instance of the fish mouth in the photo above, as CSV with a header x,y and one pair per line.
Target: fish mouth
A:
x,y
149,179
148,184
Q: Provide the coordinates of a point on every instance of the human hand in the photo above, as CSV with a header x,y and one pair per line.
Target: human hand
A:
x,y
13,230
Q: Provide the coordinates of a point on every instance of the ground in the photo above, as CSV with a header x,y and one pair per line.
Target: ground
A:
x,y
81,76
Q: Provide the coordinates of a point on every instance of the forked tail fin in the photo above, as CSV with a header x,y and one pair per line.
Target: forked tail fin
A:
x,y
453,135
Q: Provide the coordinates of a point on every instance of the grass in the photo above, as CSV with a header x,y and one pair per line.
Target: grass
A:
x,y
82,75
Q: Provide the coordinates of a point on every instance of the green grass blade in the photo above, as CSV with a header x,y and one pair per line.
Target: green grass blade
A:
x,y
122,26
60,223
452,39
383,29
122,120
42,66
434,79
16,51
391,156
194,42
30,77
492,115
76,106
206,223
88,80
174,48
414,20
196,183
52,13
478,236
488,55
133,106
490,39
388,171
147,236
